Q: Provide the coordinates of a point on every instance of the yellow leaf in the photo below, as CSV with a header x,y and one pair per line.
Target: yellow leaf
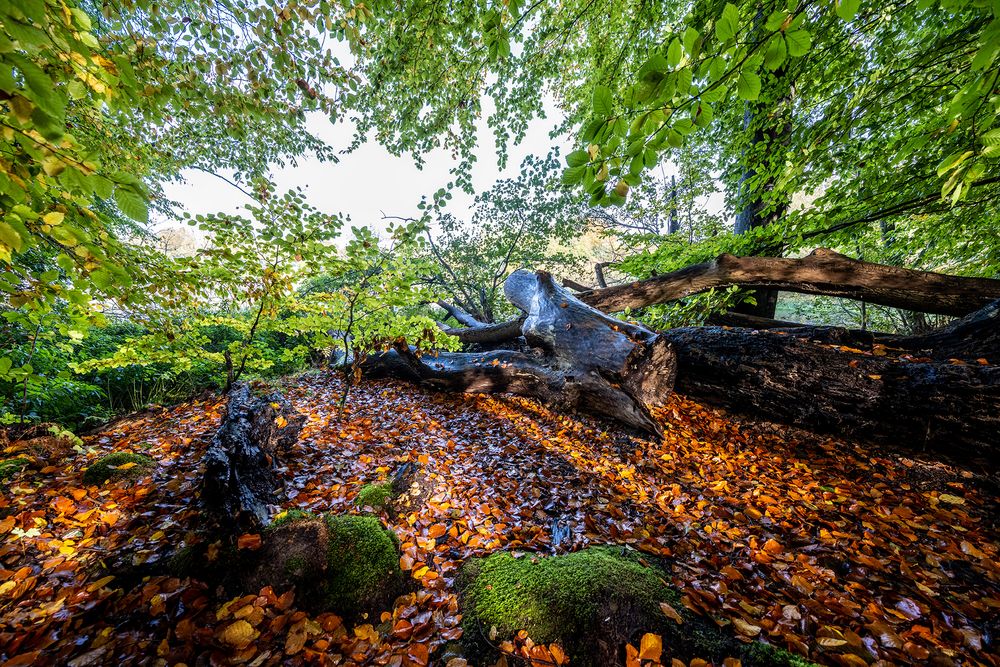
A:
x,y
831,642
53,218
238,634
951,500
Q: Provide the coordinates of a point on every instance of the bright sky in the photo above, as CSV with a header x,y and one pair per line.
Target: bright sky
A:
x,y
370,181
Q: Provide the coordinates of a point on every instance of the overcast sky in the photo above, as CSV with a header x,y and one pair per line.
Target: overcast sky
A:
x,y
370,180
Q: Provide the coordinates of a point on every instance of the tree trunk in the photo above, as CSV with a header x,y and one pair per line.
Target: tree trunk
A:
x,y
239,481
581,359
935,405
973,337
821,272
927,398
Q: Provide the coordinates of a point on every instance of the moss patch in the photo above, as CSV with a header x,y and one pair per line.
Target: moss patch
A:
x,y
345,564
118,466
11,467
376,496
363,565
593,602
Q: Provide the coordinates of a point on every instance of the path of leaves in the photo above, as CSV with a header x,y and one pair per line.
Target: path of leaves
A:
x,y
810,544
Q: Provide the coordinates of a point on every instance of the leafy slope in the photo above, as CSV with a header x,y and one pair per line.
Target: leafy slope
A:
x,y
814,545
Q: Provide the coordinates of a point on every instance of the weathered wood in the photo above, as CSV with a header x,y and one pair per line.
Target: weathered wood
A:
x,y
933,405
461,316
239,481
821,272
975,336
583,359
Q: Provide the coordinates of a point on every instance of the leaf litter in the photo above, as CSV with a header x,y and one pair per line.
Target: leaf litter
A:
x,y
835,551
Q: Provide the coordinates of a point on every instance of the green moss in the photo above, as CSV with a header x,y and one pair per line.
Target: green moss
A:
x,y
558,597
593,602
363,564
115,467
288,516
375,496
11,467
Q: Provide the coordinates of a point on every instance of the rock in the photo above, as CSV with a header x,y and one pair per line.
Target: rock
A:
x,y
118,466
593,603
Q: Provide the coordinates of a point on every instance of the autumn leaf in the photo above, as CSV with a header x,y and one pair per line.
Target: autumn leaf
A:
x,y
651,647
671,613
238,634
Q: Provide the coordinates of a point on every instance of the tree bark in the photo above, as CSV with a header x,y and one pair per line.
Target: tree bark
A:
x,y
239,481
975,336
581,359
924,404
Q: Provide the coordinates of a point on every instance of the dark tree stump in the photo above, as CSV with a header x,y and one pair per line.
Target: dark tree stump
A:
x,y
239,481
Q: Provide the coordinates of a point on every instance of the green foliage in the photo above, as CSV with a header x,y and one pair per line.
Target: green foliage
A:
x,y
518,223
118,466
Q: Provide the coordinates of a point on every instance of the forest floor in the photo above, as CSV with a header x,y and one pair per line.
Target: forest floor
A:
x,y
836,551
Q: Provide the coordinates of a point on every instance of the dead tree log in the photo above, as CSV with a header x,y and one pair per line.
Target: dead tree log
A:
x,y
240,481
933,405
821,272
973,337
581,358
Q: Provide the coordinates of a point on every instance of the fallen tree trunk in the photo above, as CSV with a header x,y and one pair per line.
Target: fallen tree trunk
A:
x,y
933,405
973,337
239,481
582,359
821,272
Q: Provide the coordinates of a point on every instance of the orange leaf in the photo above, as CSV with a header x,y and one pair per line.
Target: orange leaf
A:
x,y
651,647
249,541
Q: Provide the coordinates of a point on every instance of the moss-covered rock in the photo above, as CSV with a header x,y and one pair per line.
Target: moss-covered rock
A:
x,y
118,466
375,496
340,563
363,562
11,467
593,602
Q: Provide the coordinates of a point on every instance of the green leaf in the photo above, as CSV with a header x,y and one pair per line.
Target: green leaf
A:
x,y
748,86
776,53
603,101
991,138
728,23
132,204
846,9
799,42
42,89
103,279
674,52
577,158
10,237
573,175
690,40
